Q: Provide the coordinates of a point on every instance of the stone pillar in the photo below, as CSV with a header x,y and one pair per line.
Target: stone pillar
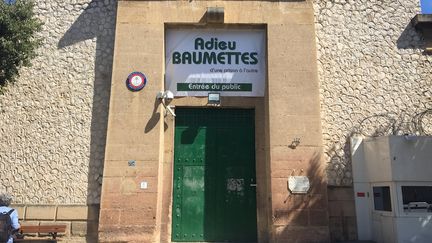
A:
x,y
133,149
295,142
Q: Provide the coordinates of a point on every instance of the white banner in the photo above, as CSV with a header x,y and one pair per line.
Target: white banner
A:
x,y
230,62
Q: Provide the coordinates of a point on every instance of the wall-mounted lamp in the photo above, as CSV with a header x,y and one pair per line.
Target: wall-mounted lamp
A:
x,y
294,143
215,15
166,97
214,99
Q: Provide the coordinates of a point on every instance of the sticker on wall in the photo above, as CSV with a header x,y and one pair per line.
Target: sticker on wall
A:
x,y
136,81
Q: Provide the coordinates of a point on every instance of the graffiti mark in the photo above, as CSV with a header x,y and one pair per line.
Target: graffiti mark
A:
x,y
235,185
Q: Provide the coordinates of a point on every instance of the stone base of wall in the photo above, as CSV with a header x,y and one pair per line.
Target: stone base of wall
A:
x,y
342,216
81,220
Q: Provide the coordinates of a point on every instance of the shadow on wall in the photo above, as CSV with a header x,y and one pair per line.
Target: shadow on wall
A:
x,y
97,21
410,39
304,217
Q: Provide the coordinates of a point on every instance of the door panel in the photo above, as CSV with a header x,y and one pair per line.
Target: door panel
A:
x,y
214,197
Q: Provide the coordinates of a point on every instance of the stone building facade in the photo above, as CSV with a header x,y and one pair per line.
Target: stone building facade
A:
x,y
374,79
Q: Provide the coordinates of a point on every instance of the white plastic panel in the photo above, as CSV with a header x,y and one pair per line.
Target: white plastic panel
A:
x,y
416,229
411,158
362,199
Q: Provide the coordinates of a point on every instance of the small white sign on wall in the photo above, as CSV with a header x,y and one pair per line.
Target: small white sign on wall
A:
x,y
144,185
298,184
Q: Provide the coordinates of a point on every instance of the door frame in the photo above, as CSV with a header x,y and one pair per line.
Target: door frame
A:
x,y
262,165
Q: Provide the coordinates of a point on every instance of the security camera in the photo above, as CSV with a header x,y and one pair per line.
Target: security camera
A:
x,y
160,95
165,95
165,98
168,95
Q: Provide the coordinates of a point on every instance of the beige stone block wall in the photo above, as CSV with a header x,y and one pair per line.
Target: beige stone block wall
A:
x,y
138,129
294,114
81,221
342,215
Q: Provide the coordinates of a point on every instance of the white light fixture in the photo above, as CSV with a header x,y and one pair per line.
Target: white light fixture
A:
x,y
165,95
214,99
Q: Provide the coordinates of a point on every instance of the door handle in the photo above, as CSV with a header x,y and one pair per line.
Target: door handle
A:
x,y
254,185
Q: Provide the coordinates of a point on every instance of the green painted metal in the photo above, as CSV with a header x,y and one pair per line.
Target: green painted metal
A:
x,y
214,197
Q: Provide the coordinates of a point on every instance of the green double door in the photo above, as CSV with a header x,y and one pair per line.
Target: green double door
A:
x,y
214,194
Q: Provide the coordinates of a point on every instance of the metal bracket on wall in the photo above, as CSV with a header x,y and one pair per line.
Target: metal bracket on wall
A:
x,y
166,97
215,15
